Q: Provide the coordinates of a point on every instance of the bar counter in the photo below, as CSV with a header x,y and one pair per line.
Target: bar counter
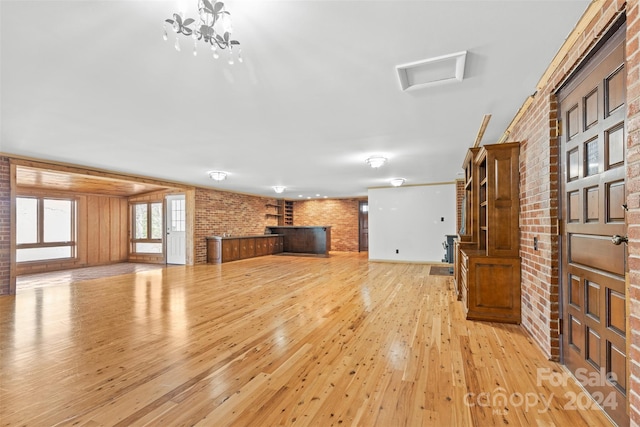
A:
x,y
304,239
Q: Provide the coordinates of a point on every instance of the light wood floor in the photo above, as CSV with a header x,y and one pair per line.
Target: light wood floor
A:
x,y
65,277
272,341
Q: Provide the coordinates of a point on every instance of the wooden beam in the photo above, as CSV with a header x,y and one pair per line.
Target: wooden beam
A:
x,y
483,128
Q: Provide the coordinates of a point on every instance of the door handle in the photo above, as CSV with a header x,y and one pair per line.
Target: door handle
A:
x,y
617,239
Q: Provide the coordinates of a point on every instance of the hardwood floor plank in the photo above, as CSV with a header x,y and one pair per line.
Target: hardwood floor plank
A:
x,y
270,341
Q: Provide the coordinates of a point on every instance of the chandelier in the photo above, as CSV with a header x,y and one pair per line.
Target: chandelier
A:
x,y
213,26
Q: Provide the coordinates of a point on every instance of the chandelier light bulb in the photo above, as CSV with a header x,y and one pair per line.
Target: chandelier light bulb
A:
x,y
165,36
226,24
177,45
240,58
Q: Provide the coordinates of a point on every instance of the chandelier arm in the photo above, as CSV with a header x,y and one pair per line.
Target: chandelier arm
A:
x,y
221,46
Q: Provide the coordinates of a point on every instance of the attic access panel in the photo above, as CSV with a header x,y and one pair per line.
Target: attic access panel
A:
x,y
433,71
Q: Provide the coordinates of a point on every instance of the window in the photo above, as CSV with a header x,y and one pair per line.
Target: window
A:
x,y
147,228
178,216
45,228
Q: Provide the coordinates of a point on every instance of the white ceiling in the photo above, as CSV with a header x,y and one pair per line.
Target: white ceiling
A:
x,y
93,83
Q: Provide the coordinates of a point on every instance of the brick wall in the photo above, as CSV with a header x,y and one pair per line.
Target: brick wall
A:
x,y
5,226
538,215
218,212
633,201
539,191
341,214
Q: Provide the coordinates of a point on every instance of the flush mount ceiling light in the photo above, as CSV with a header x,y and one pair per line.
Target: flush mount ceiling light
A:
x,y
397,182
376,161
432,71
218,175
279,188
213,26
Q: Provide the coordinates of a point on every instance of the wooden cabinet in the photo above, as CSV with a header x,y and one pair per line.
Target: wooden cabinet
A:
x,y
225,249
487,261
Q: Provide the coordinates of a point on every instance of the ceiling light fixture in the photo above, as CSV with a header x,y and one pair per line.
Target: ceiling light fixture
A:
x,y
218,175
397,182
279,188
213,26
376,161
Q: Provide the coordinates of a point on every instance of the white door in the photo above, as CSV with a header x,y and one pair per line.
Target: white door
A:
x,y
176,229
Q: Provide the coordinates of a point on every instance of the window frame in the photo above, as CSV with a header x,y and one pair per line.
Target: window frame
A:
x,y
148,239
40,243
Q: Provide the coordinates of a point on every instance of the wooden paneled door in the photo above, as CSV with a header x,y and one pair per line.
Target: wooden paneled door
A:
x,y
592,275
363,227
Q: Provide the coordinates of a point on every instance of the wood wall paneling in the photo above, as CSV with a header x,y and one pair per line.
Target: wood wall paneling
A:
x,y
102,232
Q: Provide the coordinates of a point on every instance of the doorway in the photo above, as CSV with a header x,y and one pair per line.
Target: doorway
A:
x,y
592,268
363,227
176,229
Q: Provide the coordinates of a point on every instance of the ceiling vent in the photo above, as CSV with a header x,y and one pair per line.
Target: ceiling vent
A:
x,y
432,71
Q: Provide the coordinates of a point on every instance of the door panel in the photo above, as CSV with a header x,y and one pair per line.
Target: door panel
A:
x,y
592,111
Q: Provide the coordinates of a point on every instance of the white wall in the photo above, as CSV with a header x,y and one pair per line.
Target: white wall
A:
x,y
409,220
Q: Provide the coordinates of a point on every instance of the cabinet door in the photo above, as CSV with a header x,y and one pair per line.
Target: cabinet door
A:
x,y
502,194
230,250
493,292
259,245
271,245
247,248
279,244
